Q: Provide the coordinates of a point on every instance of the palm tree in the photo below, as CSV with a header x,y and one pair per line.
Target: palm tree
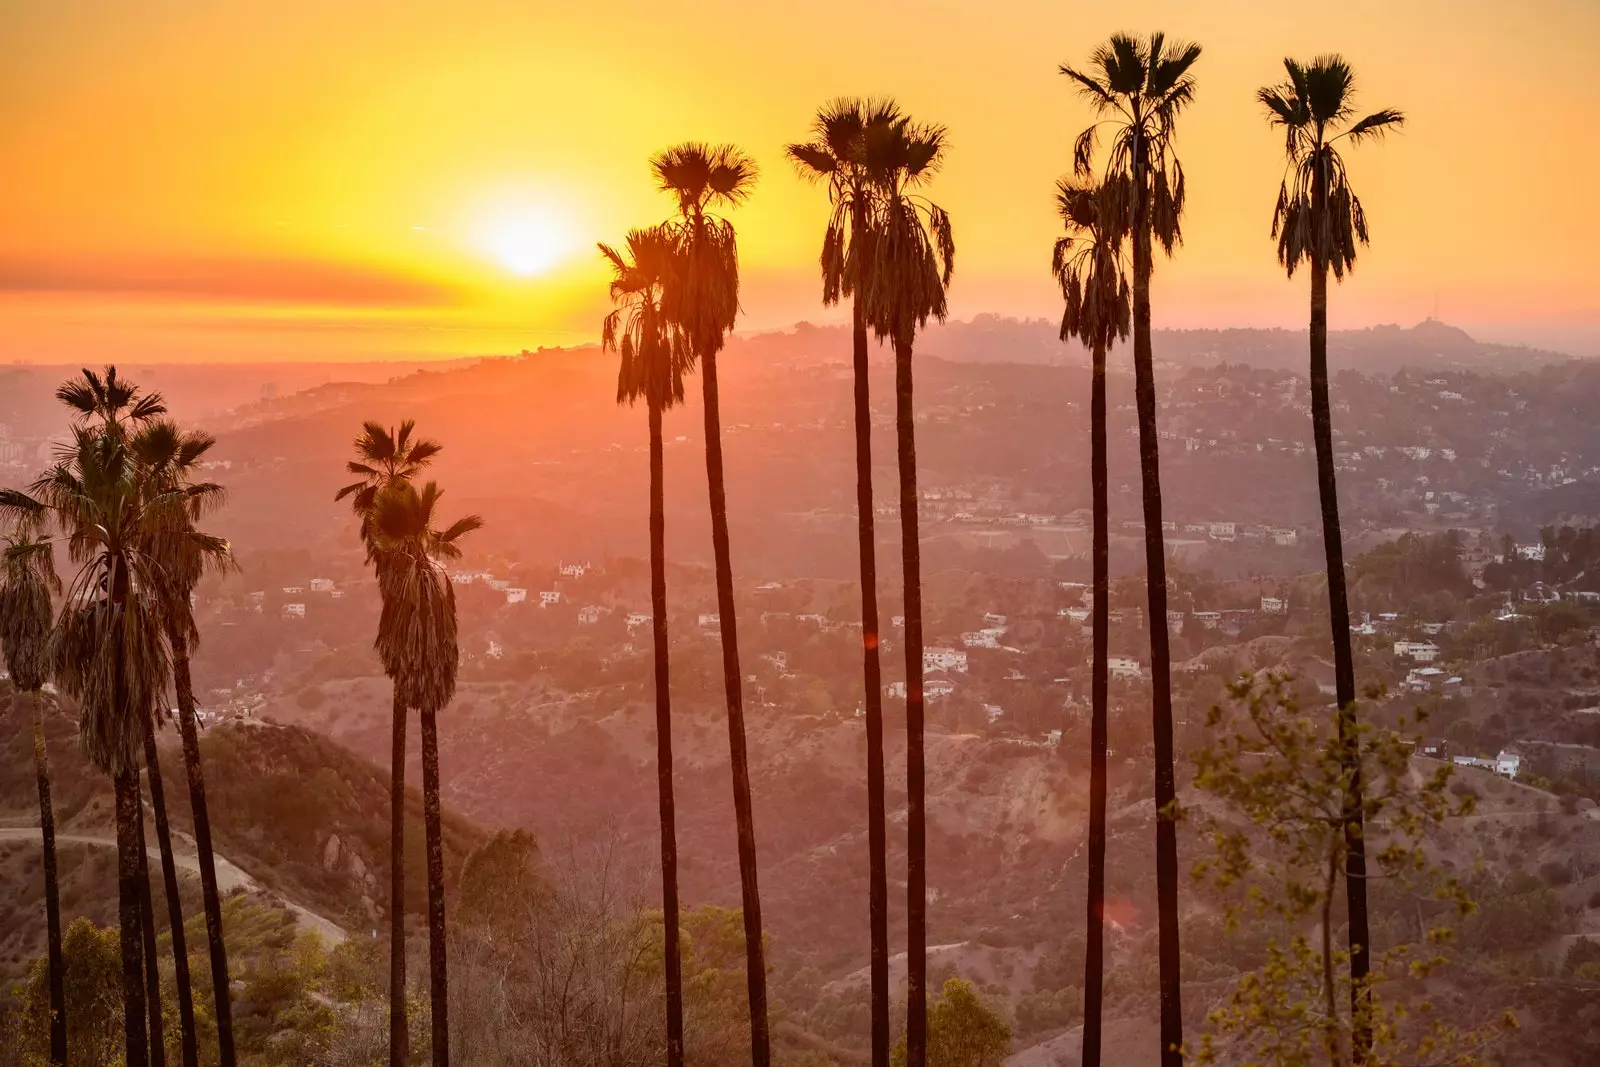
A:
x,y
701,299
913,254
172,456
384,458
654,355
417,644
837,154
1140,86
1318,220
109,650
26,581
1088,263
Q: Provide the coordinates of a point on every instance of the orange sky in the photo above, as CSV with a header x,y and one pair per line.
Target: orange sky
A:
x,y
354,178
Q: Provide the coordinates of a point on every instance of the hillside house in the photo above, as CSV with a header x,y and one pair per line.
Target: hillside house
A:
x,y
1075,614
1125,667
1274,605
710,620
1507,764
1208,619
1417,651
549,598
944,659
588,615
1285,538
638,618
293,611
993,712
293,590
322,585
515,596
1222,531
574,570
1534,552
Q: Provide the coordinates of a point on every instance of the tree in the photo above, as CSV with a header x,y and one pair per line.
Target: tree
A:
x,y
1088,263
417,643
1318,220
654,356
962,1031
26,582
385,457
912,257
173,456
1140,86
838,154
701,299
109,650
1277,851
92,996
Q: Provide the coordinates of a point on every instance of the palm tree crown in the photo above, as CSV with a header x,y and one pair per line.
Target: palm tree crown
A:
x,y
1314,109
1140,86
837,154
170,456
110,399
1088,261
655,354
27,578
913,252
702,291
386,456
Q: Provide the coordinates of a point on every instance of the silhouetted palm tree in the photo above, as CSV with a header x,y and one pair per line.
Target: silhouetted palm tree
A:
x,y
654,358
1141,86
109,650
385,457
27,578
837,154
1318,221
418,647
1088,263
170,459
913,254
702,300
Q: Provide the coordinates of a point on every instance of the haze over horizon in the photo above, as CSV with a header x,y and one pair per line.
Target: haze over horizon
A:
x,y
296,182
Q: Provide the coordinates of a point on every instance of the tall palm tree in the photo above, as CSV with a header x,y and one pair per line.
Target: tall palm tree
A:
x,y
1088,262
702,300
1318,221
27,579
837,154
109,653
654,356
913,255
1139,87
172,457
417,644
384,457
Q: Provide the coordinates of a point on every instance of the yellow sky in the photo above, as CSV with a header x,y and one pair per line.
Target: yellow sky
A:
x,y
331,178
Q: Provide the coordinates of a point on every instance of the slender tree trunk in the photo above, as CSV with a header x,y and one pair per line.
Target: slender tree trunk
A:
x,y
732,682
438,977
1344,673
220,989
872,673
669,833
1094,939
1156,600
399,1036
152,965
52,889
129,834
169,881
916,813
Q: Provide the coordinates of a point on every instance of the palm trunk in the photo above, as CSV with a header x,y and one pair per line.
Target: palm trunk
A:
x,y
1344,673
669,834
744,816
52,890
129,834
872,673
916,815
1094,935
399,1041
438,977
1156,618
152,965
169,880
220,991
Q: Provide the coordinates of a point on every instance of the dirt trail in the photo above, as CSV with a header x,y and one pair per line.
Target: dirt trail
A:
x,y
229,876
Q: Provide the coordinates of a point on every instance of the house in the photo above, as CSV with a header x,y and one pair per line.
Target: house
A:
x,y
1539,593
937,687
1221,531
980,639
1075,614
515,596
1418,651
1507,763
1534,552
1285,538
258,596
1274,605
1053,738
993,712
549,597
499,585
1208,619
574,570
293,590
710,620
780,660
1436,748
322,585
588,615
944,659
294,611
638,618
992,620
1125,667
1433,629
1424,679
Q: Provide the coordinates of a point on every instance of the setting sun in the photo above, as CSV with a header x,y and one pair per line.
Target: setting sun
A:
x,y
528,241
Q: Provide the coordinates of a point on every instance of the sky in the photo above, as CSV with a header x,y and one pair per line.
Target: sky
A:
x,y
311,179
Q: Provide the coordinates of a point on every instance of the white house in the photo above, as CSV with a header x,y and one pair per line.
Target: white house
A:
x,y
588,615
993,712
515,596
944,659
1075,614
1124,667
549,597
1418,651
1209,619
499,585
1534,552
638,618
1507,763
293,590
294,611
1285,538
1274,605
710,620
1222,531
991,619
937,688
574,570
322,585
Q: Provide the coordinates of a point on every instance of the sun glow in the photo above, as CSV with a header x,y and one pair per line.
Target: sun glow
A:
x,y
528,241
